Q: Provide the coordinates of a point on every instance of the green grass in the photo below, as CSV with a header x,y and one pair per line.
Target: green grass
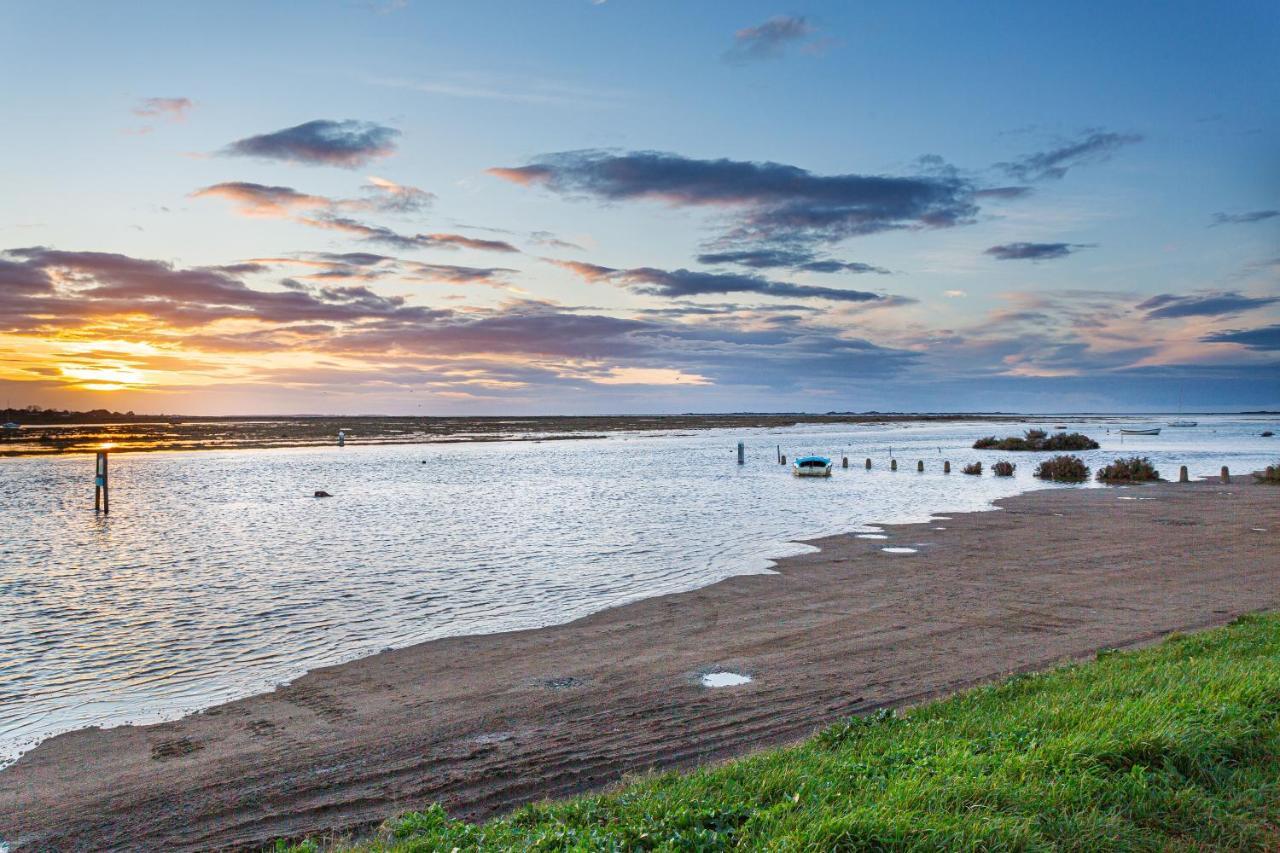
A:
x,y
1174,747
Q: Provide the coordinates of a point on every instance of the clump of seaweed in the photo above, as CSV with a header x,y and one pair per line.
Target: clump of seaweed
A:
x,y
1038,439
1135,469
1269,475
1003,468
972,468
1064,468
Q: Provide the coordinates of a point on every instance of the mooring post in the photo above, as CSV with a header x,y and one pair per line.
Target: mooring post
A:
x,y
779,454
783,461
342,437
844,461
1226,475
742,453
1182,475
868,464
946,467
893,464
101,495
920,467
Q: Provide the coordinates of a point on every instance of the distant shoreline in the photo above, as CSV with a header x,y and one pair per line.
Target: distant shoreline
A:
x,y
484,723
266,433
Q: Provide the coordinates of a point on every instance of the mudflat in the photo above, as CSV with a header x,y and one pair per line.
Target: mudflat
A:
x,y
485,723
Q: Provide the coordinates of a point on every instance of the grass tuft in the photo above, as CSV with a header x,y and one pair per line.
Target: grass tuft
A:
x,y
972,468
1003,468
1270,475
1174,747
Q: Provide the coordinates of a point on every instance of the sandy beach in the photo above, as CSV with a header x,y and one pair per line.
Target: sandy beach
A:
x,y
485,723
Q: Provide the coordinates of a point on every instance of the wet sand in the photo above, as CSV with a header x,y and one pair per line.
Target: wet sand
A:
x,y
483,724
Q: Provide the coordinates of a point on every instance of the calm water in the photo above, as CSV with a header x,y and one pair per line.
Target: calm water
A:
x,y
218,575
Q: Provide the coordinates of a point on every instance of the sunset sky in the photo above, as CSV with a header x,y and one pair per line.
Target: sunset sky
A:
x,y
371,206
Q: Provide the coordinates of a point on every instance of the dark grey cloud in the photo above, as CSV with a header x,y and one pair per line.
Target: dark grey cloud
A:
x,y
1034,251
800,261
1094,147
1167,305
768,40
347,143
650,281
777,203
1243,218
1263,338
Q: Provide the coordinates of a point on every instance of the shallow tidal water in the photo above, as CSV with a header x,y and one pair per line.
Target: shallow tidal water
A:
x,y
218,575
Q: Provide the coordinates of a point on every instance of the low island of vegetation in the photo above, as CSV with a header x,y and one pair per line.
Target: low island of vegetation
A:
x,y
1135,469
1003,468
1174,747
1069,469
1038,439
974,468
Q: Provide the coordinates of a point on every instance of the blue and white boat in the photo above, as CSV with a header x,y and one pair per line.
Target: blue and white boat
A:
x,y
812,466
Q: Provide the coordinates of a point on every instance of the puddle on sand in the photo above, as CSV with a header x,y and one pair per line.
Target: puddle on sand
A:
x,y
724,679
901,550
1126,498
942,518
871,536
939,528
1258,529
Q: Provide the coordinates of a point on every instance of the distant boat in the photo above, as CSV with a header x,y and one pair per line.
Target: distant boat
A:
x,y
1184,423
1151,431
812,466
1179,421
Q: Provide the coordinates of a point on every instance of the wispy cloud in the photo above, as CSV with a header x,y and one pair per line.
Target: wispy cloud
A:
x,y
1093,147
1243,218
525,89
173,109
680,283
1265,338
322,142
1035,251
770,39
800,261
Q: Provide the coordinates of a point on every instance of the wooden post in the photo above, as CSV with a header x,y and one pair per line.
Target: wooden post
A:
x,y
742,453
868,464
920,467
783,461
1226,475
779,454
893,464
946,467
844,462
101,493
1182,475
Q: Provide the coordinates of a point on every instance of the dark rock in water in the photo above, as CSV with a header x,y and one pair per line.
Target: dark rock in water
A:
x,y
1268,434
320,493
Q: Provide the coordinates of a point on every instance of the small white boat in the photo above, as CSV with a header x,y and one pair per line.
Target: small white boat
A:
x,y
1150,431
812,466
1183,423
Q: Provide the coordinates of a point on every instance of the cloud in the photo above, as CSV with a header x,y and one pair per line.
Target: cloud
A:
x,y
768,40
1167,305
1034,251
174,109
262,200
799,261
547,238
649,281
776,203
348,143
390,197
1265,338
1094,147
387,237
1243,218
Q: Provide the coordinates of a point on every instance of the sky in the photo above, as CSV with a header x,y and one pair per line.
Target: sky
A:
x,y
577,207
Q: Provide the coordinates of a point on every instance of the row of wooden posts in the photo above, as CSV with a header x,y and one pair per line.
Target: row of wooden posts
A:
x,y
1183,476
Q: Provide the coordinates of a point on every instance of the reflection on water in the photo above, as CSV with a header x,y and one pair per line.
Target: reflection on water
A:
x,y
218,574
